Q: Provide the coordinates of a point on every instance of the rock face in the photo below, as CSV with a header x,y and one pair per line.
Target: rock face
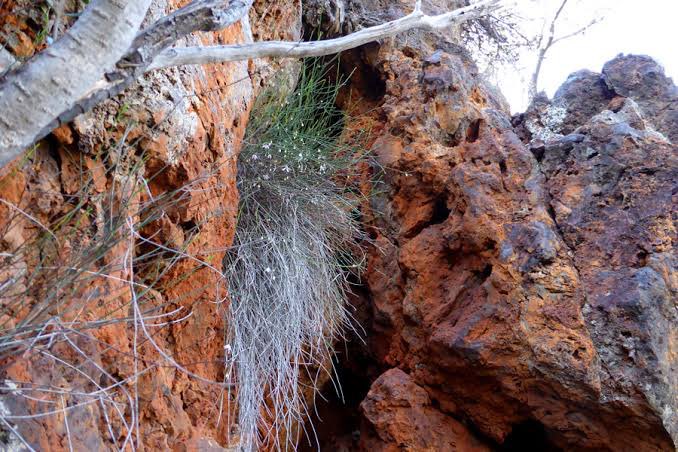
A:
x,y
642,79
528,288
521,286
612,186
398,416
163,157
586,93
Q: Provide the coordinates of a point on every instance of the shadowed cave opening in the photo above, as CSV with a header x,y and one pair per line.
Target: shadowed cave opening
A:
x,y
336,418
528,436
440,211
337,415
473,131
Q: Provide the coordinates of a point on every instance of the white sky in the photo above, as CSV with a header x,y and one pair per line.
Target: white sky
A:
x,y
647,27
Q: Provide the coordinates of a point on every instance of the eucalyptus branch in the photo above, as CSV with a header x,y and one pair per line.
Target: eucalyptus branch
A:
x,y
286,49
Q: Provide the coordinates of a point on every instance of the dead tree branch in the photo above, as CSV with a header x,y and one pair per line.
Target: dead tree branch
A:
x,y
284,49
552,40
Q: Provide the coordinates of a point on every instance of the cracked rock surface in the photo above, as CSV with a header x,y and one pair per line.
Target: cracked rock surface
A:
x,y
523,275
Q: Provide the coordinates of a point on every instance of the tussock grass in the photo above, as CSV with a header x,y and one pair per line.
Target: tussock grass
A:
x,y
287,271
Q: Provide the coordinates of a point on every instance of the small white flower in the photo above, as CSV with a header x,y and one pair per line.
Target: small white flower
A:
x,y
267,145
268,270
255,157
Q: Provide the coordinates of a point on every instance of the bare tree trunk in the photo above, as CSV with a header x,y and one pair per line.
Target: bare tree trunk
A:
x,y
55,79
534,81
533,89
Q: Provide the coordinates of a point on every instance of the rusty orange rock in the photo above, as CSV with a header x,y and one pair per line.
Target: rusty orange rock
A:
x,y
399,416
176,131
496,281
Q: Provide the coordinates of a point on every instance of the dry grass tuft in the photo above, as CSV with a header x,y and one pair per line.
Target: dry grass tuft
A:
x,y
287,271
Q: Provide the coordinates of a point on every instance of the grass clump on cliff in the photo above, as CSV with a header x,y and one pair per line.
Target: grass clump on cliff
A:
x,y
287,270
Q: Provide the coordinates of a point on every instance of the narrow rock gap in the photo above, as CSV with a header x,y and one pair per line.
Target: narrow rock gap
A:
x,y
552,213
336,419
473,131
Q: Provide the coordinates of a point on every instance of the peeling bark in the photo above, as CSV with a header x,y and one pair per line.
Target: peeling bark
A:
x,y
57,78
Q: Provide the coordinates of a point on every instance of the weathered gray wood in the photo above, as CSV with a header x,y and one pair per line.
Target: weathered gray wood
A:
x,y
7,61
283,49
54,80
